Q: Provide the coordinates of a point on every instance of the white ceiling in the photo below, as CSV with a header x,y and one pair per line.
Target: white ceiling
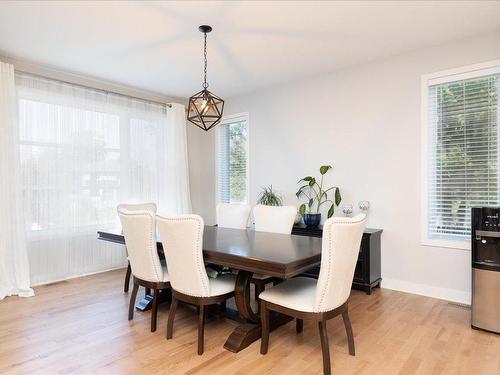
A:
x,y
156,45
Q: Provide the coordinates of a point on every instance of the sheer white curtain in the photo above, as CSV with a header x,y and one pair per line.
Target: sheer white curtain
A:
x,y
83,151
14,268
175,195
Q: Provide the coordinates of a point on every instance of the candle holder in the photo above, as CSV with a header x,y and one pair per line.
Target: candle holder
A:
x,y
347,209
364,206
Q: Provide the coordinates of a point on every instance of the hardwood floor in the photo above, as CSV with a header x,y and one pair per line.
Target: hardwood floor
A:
x,y
81,327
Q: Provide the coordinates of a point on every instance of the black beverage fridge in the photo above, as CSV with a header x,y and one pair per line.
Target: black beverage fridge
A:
x,y
486,268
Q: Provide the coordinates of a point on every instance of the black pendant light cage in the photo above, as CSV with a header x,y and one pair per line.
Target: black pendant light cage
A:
x,y
205,108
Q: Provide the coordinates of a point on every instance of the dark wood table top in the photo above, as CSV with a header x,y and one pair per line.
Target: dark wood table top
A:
x,y
272,254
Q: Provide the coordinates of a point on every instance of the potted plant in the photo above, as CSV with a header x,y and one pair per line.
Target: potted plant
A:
x,y
268,197
316,197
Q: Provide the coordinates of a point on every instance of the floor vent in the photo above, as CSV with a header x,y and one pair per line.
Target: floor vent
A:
x,y
459,305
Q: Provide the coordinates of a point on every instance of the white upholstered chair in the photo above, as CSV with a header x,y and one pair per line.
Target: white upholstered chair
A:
x,y
327,297
182,239
231,215
276,219
139,230
134,207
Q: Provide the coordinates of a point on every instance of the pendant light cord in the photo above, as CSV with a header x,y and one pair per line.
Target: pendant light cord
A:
x,y
205,84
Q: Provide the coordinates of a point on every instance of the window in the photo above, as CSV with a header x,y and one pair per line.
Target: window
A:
x,y
79,160
232,159
461,152
83,152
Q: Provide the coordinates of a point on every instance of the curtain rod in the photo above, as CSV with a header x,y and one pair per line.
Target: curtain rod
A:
x,y
94,88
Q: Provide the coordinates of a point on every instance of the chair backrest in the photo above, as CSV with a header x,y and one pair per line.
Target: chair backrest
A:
x,y
139,230
138,207
182,239
339,254
276,219
231,215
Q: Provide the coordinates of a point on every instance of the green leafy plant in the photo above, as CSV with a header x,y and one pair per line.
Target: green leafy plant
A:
x,y
269,197
317,196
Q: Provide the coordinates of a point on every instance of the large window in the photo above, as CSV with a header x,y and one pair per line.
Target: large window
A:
x,y
232,159
81,158
462,147
83,152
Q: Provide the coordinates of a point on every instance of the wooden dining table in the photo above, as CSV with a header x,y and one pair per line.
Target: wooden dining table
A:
x,y
250,252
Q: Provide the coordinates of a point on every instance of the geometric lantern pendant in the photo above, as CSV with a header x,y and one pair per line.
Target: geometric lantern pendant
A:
x,y
205,108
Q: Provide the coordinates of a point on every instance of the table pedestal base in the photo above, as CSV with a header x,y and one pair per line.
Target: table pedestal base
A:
x,y
146,303
247,333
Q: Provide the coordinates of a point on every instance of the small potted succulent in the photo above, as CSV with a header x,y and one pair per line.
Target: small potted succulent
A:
x,y
316,197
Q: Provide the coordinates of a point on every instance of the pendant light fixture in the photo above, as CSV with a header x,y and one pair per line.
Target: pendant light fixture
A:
x,y
205,108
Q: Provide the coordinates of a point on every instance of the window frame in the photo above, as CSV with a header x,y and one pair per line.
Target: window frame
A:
x,y
242,116
441,77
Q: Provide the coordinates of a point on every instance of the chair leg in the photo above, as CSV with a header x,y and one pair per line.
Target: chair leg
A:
x,y
222,309
171,316
264,316
299,325
201,329
133,296
259,288
154,309
348,329
324,347
127,279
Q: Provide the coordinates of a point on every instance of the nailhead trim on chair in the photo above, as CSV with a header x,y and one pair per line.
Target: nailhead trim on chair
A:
x,y
206,287
329,268
152,246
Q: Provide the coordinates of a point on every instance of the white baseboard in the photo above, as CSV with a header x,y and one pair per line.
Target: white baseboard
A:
x,y
453,295
77,276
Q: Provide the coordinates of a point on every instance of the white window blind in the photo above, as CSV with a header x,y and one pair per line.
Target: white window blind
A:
x,y
463,153
232,160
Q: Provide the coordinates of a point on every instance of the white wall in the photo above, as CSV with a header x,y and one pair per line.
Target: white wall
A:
x,y
201,155
365,121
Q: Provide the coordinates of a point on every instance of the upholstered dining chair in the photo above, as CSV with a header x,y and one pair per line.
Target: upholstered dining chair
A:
x,y
276,219
134,207
139,230
231,215
182,239
325,298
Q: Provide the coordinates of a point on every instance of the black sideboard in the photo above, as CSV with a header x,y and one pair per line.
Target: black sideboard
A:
x,y
367,274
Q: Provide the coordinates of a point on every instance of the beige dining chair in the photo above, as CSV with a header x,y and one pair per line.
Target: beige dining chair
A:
x,y
325,298
275,219
134,207
182,239
139,230
232,215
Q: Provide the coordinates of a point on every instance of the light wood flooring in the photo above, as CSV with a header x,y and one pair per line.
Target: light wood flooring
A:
x,y
81,327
